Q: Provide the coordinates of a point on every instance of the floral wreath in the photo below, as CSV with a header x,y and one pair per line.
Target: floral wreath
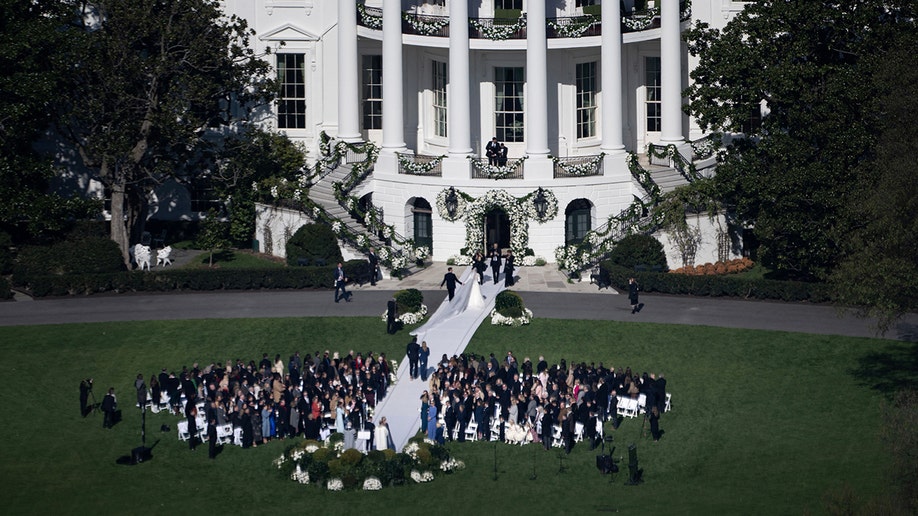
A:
x,y
461,204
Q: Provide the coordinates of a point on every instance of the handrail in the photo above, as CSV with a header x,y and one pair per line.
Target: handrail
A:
x,y
482,170
578,166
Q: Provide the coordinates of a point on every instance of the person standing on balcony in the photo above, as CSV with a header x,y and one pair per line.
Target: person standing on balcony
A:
x,y
492,151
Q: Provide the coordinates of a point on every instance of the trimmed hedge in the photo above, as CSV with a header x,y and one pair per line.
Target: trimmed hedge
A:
x,y
83,255
509,304
716,286
409,300
311,242
184,279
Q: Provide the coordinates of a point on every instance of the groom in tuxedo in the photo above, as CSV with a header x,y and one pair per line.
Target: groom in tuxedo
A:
x,y
495,257
450,280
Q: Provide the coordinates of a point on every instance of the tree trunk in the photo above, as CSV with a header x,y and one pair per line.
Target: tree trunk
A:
x,y
119,232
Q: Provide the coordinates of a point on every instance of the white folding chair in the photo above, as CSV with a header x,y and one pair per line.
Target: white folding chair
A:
x,y
237,436
578,432
668,406
556,440
224,434
471,431
642,402
183,434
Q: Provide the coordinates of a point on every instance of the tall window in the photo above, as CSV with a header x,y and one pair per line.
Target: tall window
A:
x,y
577,221
439,98
586,100
372,92
508,104
291,102
508,4
652,104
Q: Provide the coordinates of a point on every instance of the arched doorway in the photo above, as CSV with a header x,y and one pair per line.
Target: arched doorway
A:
x,y
577,221
423,225
497,229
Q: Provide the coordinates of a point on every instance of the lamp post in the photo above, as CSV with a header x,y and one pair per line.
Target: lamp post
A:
x,y
452,202
540,203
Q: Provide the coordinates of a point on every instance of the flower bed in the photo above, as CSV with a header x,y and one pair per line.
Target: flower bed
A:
x,y
717,268
328,465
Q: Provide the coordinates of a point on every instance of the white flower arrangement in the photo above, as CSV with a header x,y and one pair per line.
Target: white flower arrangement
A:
x,y
576,28
399,262
274,191
419,477
428,26
421,252
451,465
460,259
279,462
529,261
412,450
383,254
254,186
334,484
297,194
316,212
300,476
338,447
393,379
498,32
519,227
588,168
372,484
336,227
311,448
705,147
429,441
499,320
496,171
410,317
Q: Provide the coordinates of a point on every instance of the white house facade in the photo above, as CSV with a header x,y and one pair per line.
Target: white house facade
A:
x,y
575,99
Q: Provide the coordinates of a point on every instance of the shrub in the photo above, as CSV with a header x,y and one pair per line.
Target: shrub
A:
x,y
314,241
509,304
5,292
86,255
351,457
636,250
409,300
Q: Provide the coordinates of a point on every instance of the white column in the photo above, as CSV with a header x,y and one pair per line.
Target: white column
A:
x,y
670,73
393,92
612,138
458,102
536,81
348,73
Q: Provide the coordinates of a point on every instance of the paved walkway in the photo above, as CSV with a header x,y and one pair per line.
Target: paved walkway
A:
x,y
546,292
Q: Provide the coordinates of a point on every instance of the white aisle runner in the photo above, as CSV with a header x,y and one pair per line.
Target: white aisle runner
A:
x,y
448,332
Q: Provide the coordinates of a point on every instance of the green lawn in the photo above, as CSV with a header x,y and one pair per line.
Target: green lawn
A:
x,y
234,259
762,422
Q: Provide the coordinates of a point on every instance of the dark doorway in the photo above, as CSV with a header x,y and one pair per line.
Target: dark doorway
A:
x,y
497,229
423,225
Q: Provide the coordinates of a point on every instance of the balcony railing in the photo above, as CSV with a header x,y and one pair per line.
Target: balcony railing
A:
x,y
420,165
578,166
482,170
498,29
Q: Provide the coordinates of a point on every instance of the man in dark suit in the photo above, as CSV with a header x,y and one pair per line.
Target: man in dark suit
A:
x,y
492,151
413,352
391,314
374,266
495,258
450,280
340,280
109,406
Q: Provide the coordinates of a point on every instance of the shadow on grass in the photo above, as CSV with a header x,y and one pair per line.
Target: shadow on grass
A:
x,y
892,369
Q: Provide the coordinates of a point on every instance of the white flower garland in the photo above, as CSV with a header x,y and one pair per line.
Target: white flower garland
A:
x,y
499,320
370,20
451,465
641,21
498,32
496,171
575,29
418,169
583,169
428,26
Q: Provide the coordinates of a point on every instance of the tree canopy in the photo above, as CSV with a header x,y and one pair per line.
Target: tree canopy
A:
x,y
155,78
808,67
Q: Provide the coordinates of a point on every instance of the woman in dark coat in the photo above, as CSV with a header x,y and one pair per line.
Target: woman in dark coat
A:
x,y
655,424
633,295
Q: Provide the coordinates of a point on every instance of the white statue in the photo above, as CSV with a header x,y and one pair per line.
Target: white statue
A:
x,y
162,256
142,255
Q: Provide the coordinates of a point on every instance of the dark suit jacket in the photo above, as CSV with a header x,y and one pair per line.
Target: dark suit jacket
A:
x,y
450,280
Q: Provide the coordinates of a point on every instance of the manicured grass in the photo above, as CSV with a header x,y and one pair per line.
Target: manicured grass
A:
x,y
234,259
762,422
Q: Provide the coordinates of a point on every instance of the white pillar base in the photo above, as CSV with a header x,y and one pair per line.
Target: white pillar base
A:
x,y
456,168
538,168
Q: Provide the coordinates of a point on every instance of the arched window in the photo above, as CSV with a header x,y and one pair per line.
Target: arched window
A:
x,y
577,220
423,225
